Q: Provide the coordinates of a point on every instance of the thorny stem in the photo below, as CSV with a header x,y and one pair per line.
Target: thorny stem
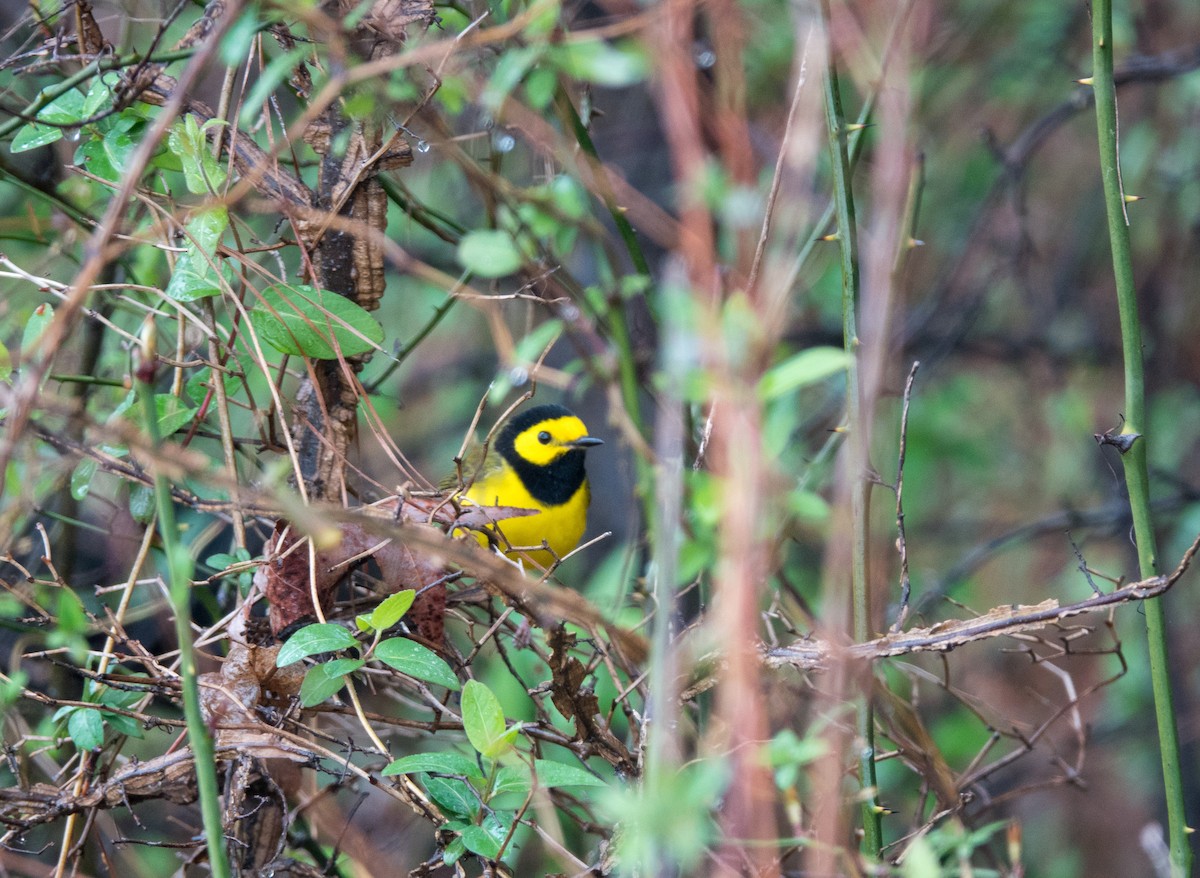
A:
x,y
1134,458
227,441
179,570
854,145
901,538
848,245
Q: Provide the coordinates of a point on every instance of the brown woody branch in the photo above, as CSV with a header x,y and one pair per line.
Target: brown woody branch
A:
x,y
999,622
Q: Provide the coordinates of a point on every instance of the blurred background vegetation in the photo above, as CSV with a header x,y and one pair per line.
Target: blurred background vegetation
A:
x,y
625,208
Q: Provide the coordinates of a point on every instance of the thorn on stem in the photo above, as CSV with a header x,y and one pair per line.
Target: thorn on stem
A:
x,y
1120,441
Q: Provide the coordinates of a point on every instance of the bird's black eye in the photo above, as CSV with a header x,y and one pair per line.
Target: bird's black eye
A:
x,y
544,437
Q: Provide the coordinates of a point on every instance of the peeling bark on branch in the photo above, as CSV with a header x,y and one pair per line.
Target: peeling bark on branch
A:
x,y
999,622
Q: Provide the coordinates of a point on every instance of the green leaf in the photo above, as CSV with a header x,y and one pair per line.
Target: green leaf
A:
x,y
81,477
123,725
601,63
72,620
531,347
313,639
319,685
34,327
315,323
390,610
788,749
489,253
321,681
512,779
12,689
807,367
982,835
195,275
200,385
93,155
221,560
234,46
920,860
119,147
141,503
33,135
480,842
343,666
809,507
537,221
557,774
126,698
483,720
173,413
99,96
675,818
110,144
540,85
510,70
454,796
66,109
360,104
5,363
507,741
453,852
570,198
436,763
86,728
418,662
453,94
201,172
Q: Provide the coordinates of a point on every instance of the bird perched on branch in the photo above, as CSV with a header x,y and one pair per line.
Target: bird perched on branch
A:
x,y
536,463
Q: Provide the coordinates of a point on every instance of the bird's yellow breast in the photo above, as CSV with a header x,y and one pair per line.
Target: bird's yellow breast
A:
x,y
560,526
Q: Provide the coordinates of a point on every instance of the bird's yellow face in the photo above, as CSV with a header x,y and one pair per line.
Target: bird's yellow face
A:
x,y
547,441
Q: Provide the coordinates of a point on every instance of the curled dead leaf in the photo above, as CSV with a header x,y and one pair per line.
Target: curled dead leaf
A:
x,y
248,677
293,573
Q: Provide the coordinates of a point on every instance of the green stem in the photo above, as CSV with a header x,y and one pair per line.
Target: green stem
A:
x,y
1137,478
50,92
440,224
180,565
626,362
584,139
77,216
430,325
855,143
843,199
85,379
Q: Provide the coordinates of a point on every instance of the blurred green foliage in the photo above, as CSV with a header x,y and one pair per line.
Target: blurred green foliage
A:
x,y
505,271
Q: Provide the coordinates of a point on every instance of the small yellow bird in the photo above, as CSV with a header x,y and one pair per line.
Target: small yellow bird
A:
x,y
536,462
